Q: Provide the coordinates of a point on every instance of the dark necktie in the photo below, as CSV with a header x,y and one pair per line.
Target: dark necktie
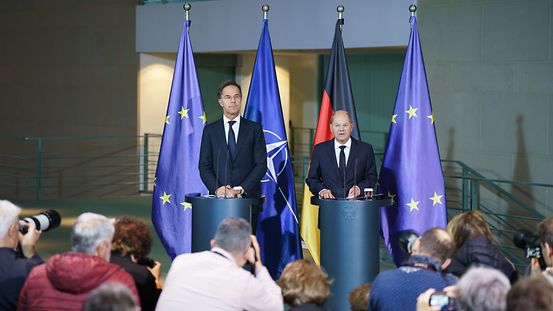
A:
x,y
342,165
231,138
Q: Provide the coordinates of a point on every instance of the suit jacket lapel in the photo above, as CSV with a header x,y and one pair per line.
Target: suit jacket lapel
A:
x,y
242,135
350,166
332,155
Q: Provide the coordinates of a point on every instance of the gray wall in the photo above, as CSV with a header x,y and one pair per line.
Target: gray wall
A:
x,y
294,25
490,71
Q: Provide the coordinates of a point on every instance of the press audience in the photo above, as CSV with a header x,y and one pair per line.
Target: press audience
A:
x,y
305,286
110,297
15,262
66,280
531,294
359,297
215,279
132,242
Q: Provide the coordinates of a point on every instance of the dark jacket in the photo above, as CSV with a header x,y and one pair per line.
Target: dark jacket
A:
x,y
65,281
13,272
144,280
480,251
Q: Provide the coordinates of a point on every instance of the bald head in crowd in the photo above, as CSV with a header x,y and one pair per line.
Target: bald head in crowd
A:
x,y
435,243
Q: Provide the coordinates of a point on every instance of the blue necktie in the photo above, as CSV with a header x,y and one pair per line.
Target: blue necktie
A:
x,y
231,139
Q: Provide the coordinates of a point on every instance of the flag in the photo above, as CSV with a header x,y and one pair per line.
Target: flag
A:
x,y
177,171
411,174
337,95
277,228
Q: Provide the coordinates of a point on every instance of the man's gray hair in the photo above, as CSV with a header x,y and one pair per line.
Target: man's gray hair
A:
x,y
9,213
110,296
484,289
89,232
233,235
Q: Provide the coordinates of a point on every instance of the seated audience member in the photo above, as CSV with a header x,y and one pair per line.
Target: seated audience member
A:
x,y
483,289
131,245
304,286
66,280
15,265
110,297
399,288
359,297
531,293
215,280
474,246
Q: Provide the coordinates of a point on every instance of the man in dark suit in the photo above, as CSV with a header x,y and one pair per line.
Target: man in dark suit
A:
x,y
343,166
233,155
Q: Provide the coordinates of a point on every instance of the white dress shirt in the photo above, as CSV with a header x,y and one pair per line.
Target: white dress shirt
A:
x,y
211,280
346,150
235,127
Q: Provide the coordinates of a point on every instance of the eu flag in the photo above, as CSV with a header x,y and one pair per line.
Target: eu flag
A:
x,y
177,167
411,174
277,228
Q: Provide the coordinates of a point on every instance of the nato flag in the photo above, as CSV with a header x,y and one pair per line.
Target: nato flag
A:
x,y
277,228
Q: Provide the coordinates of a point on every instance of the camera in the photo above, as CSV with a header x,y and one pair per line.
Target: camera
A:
x,y
530,242
440,299
43,221
146,261
406,241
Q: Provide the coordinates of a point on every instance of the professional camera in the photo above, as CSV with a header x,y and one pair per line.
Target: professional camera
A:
x,y
43,221
531,243
440,299
406,241
146,261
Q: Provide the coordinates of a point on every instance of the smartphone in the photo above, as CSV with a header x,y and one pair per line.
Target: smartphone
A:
x,y
442,300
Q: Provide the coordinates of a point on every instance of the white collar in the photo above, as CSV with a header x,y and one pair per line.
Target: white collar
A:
x,y
225,119
337,144
224,253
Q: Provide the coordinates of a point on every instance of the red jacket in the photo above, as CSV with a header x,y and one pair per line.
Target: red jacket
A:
x,y
65,281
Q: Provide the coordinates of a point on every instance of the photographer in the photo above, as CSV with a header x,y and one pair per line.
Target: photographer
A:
x,y
15,266
398,289
131,244
545,233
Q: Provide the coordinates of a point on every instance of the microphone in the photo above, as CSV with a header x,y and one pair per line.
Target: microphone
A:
x,y
226,169
355,177
217,172
344,181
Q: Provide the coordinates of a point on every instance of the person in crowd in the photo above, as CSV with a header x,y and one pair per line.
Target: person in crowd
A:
x,y
531,293
131,245
341,167
359,297
15,262
215,279
111,297
545,233
66,280
305,286
474,246
399,288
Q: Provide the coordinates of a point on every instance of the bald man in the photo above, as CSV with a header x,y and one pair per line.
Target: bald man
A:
x,y
342,166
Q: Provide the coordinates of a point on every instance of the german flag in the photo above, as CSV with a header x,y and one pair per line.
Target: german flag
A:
x,y
337,95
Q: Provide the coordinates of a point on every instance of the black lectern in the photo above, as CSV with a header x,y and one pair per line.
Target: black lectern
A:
x,y
350,235
208,212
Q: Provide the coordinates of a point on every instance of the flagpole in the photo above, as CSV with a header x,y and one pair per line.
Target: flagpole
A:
x,y
187,6
340,10
265,9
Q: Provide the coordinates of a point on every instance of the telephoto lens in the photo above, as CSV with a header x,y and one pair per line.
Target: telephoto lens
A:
x,y
43,221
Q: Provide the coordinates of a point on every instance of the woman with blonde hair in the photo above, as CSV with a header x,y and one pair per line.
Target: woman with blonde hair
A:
x,y
474,245
305,287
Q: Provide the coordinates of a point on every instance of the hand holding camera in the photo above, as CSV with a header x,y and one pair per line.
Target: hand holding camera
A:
x,y
27,241
254,254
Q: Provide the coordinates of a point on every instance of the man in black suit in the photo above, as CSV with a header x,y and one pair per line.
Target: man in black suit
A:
x,y
233,155
342,166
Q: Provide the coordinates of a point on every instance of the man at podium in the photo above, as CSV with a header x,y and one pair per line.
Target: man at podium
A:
x,y
343,166
233,156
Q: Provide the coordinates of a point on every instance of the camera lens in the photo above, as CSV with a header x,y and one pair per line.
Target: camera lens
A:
x,y
43,221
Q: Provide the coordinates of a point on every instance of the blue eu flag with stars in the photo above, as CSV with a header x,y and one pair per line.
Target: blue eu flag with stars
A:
x,y
277,228
177,171
411,174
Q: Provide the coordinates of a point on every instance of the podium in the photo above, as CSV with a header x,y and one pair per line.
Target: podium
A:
x,y
349,239
208,212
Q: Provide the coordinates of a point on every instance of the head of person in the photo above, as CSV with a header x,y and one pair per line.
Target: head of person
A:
x,y
468,225
359,297
92,236
341,126
484,289
532,293
9,230
110,297
304,282
436,243
234,236
132,238
545,232
230,98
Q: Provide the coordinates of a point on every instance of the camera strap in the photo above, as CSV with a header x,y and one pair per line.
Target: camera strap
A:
x,y
424,263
